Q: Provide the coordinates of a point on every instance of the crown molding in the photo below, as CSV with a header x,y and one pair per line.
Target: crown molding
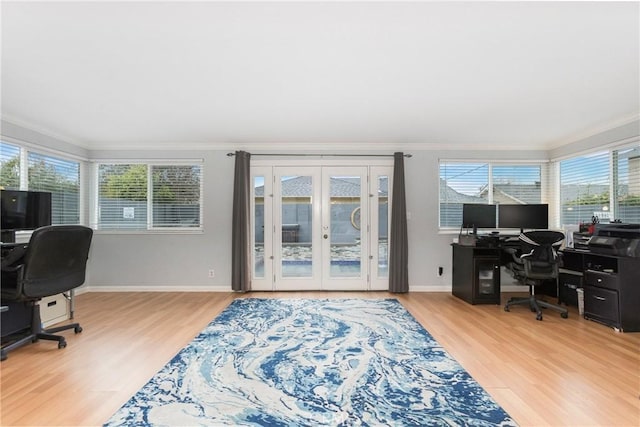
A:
x,y
312,147
315,146
576,137
43,131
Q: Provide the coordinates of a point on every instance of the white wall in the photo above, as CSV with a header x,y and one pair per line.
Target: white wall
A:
x,y
28,136
171,261
175,261
182,261
429,248
601,140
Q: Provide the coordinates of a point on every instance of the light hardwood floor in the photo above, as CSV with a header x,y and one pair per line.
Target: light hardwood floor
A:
x,y
556,372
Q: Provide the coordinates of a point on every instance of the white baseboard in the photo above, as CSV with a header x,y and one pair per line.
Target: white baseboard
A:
x,y
427,288
147,288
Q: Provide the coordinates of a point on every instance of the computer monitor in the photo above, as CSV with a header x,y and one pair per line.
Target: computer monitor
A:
x,y
476,215
523,217
23,210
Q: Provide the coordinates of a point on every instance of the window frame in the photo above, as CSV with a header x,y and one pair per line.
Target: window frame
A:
x,y
149,227
613,178
544,182
25,151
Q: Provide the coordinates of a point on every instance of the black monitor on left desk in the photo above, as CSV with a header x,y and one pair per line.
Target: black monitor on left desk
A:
x,y
23,210
476,215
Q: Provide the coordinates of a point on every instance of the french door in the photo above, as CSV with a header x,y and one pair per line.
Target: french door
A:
x,y
320,227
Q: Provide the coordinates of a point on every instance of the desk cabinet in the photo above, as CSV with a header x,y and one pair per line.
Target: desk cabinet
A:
x,y
476,274
611,287
612,291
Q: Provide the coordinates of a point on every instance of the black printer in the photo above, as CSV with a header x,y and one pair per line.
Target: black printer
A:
x,y
616,239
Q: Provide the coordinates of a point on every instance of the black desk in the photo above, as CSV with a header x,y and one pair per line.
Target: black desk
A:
x,y
476,269
611,286
16,316
476,273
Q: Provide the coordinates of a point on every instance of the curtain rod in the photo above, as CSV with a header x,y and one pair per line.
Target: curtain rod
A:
x,y
320,155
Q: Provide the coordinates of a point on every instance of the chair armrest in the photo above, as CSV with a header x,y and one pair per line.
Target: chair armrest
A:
x,y
514,254
12,285
11,259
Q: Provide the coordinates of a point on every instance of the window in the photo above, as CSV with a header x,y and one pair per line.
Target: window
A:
x,y
461,183
9,166
60,177
626,178
485,183
603,185
144,196
584,188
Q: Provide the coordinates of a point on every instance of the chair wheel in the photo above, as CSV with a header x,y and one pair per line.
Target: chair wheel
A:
x,y
564,315
62,344
539,317
506,308
78,329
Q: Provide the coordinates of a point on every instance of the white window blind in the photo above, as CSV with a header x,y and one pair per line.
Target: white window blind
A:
x,y
176,196
584,189
9,166
122,197
149,196
486,183
516,184
61,178
461,183
626,179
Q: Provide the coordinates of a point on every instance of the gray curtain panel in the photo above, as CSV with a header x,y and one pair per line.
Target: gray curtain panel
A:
x,y
399,247
241,233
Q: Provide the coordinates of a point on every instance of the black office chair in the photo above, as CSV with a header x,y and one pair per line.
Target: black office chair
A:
x,y
54,262
536,262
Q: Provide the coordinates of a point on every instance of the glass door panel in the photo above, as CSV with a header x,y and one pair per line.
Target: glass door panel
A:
x,y
380,200
320,227
297,226
344,230
383,226
297,242
261,206
258,215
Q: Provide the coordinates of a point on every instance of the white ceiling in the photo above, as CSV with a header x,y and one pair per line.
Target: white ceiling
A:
x,y
333,75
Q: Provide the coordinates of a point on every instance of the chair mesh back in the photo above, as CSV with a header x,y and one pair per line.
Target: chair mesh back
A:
x,y
56,260
541,245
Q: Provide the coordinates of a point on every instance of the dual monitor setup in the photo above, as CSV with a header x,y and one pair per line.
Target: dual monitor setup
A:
x,y
504,216
23,210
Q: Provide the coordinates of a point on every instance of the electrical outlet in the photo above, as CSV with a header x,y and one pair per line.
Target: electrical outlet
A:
x,y
212,273
440,271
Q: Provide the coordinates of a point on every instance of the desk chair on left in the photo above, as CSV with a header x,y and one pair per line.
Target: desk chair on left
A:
x,y
54,262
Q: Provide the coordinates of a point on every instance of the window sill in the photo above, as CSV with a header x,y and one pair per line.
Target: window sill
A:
x,y
151,232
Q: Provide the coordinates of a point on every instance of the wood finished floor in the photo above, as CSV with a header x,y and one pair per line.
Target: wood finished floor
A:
x,y
556,372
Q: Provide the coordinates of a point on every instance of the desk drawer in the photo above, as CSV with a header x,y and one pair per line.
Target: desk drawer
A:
x,y
601,304
601,279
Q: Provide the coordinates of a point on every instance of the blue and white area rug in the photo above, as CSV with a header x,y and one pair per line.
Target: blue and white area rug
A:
x,y
312,362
